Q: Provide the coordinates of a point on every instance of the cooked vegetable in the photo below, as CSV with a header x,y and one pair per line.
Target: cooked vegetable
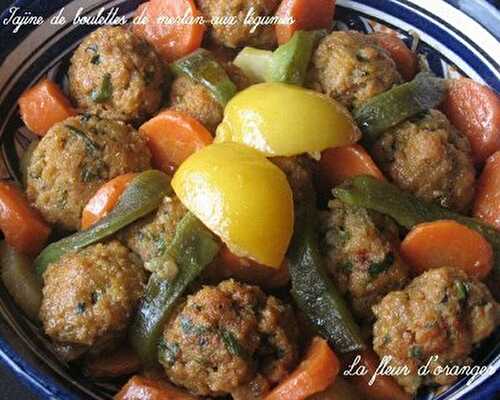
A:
x,y
254,63
121,362
306,14
399,103
407,210
383,387
43,105
142,388
20,280
344,162
447,243
475,110
339,390
487,203
23,228
242,197
229,265
314,374
171,41
192,249
142,196
172,136
105,199
313,290
202,67
405,59
278,119
290,61
104,93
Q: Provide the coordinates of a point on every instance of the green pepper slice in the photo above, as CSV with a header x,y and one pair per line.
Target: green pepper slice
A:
x,y
192,248
314,292
401,102
254,63
407,210
143,195
202,67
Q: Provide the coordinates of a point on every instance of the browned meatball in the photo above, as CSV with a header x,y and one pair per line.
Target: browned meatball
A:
x,y
223,336
194,99
430,158
240,34
350,67
74,159
441,313
150,236
90,295
116,75
361,255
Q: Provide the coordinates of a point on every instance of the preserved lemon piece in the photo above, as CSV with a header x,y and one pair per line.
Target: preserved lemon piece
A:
x,y
285,120
242,197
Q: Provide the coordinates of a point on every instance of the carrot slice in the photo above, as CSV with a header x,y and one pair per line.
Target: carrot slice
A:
x,y
475,110
405,59
230,265
105,199
142,388
172,137
171,40
340,163
43,105
487,203
314,374
23,227
447,243
383,387
307,15
122,362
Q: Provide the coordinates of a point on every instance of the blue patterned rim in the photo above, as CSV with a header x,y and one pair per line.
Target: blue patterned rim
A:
x,y
457,37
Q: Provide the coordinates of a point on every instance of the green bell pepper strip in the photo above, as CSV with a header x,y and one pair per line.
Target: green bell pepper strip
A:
x,y
202,67
254,63
142,196
192,248
401,102
314,292
407,210
290,61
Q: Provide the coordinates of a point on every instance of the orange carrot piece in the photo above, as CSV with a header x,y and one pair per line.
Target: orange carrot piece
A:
x,y
244,269
105,199
23,227
172,41
340,163
43,105
122,362
405,59
487,203
475,110
383,387
314,374
450,244
142,388
307,14
172,137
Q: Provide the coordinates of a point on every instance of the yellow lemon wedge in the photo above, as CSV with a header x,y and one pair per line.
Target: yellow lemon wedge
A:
x,y
285,120
242,197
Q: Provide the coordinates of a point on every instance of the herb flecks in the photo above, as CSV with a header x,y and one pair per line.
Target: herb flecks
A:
x,y
232,344
90,145
103,93
377,268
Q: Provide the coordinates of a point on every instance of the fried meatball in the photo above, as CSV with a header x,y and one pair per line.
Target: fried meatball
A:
x,y
194,99
90,295
442,314
350,67
430,158
74,159
150,236
116,75
223,336
239,34
360,248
